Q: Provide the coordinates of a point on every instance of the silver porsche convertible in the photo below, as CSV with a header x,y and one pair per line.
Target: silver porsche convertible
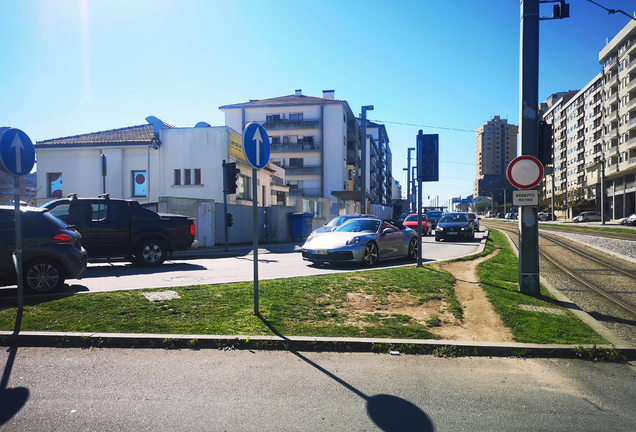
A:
x,y
365,240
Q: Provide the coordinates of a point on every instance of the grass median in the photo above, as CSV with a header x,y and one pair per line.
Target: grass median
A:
x,y
353,304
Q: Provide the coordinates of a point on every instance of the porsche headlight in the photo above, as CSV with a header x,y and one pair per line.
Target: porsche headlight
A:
x,y
310,238
439,228
353,241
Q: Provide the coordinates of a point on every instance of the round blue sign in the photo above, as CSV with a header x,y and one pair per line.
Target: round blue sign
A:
x,y
256,145
17,155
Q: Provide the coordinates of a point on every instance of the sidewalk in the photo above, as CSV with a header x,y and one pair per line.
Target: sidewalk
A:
x,y
238,250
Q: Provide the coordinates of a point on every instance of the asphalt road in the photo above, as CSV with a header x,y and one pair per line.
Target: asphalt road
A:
x,y
213,266
161,390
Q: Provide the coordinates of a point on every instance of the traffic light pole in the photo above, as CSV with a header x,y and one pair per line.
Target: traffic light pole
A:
x,y
227,247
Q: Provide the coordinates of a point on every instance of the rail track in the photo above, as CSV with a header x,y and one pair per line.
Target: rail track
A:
x,y
601,284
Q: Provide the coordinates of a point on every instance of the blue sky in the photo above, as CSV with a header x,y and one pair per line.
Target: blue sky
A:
x,y
71,67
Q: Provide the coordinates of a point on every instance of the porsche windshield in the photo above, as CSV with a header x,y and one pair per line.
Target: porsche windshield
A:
x,y
360,225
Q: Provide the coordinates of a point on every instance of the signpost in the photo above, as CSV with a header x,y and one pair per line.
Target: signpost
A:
x,y
256,149
427,171
526,172
17,157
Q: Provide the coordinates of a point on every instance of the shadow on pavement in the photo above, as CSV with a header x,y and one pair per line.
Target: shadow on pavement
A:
x,y
389,413
11,399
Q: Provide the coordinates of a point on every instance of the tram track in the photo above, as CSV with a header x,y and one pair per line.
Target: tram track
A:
x,y
601,284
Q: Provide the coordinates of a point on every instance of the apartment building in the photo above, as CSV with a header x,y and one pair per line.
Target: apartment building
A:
x,y
495,147
318,142
27,187
594,135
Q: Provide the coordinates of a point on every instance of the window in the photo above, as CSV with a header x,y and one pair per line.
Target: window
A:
x,y
188,176
197,176
139,183
274,140
54,184
177,177
243,189
296,117
296,162
273,118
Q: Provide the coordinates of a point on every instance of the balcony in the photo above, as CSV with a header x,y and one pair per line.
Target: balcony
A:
x,y
611,151
306,192
629,125
611,99
629,144
280,148
612,82
304,170
286,124
629,85
629,164
612,116
611,169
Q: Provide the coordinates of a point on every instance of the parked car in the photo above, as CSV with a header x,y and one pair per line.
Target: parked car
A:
x,y
434,216
114,228
543,216
475,220
411,222
402,217
51,250
335,223
631,220
590,216
364,240
455,225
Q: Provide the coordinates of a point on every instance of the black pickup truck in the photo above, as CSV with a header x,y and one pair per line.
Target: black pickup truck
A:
x,y
118,228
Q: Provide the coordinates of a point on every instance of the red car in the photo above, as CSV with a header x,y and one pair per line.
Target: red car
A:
x,y
411,222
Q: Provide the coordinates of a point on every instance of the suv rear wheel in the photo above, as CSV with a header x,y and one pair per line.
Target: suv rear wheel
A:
x,y
43,275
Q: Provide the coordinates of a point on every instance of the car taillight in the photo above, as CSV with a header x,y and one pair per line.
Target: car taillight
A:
x,y
64,239
192,229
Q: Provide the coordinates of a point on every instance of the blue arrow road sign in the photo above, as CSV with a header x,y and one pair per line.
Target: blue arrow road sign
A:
x,y
17,155
256,145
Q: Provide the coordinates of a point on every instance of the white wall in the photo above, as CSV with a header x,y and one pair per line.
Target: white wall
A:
x,y
335,149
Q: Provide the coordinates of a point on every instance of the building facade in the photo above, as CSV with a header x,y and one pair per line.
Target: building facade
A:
x,y
318,142
594,136
495,147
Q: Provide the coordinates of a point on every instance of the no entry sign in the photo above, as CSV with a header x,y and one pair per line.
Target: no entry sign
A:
x,y
525,172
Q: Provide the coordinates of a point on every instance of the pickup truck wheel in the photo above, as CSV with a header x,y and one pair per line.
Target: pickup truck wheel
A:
x,y
43,275
151,253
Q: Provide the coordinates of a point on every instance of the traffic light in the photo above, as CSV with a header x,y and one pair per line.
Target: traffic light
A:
x,y
230,173
544,148
560,11
229,219
427,157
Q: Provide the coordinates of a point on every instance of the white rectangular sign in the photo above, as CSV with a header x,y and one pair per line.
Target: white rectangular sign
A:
x,y
525,197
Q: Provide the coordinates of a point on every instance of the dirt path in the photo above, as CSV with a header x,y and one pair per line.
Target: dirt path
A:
x,y
480,322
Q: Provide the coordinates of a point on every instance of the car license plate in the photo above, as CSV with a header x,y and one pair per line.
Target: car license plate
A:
x,y
321,252
451,233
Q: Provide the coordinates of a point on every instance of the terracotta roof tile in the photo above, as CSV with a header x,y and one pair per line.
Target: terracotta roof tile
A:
x,y
285,100
128,135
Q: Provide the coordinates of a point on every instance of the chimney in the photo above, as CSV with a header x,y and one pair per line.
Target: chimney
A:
x,y
299,92
328,94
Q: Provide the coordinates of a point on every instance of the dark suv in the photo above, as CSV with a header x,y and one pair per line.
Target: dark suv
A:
x,y
51,251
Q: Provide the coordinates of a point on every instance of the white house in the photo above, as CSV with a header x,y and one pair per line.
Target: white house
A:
x,y
153,163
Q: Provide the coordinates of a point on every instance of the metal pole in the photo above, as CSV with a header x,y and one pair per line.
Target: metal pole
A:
x,y
255,227
603,189
419,201
18,249
227,247
552,202
363,174
528,131
148,176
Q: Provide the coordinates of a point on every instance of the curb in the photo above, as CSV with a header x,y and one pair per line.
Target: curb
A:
x,y
444,348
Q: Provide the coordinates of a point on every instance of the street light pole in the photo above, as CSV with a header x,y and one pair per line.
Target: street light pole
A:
x,y
408,180
363,173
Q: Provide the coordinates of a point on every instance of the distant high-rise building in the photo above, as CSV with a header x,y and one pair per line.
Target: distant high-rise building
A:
x,y
495,147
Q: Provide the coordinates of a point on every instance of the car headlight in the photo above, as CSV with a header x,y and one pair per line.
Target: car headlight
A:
x,y
353,241
310,238
439,228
